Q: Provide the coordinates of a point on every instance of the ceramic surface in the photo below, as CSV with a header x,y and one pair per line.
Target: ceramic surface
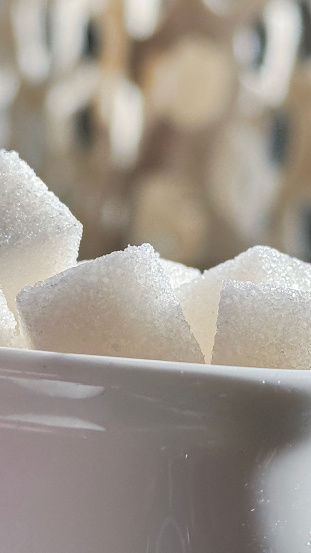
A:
x,y
102,455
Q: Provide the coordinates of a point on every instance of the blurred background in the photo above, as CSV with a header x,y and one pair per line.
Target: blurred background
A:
x,y
184,123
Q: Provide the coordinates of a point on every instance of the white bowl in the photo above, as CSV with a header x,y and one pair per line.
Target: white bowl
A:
x,y
108,455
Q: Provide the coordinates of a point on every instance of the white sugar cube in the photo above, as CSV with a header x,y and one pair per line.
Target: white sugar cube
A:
x,y
39,237
260,325
178,273
199,306
200,297
9,336
121,304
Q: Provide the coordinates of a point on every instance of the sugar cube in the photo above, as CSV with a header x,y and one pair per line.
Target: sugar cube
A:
x,y
39,237
9,336
261,325
178,273
199,306
121,304
260,264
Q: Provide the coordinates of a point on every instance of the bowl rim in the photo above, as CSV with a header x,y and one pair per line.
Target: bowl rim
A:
x,y
94,369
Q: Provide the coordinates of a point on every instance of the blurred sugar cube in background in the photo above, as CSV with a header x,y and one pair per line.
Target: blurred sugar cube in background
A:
x,y
184,123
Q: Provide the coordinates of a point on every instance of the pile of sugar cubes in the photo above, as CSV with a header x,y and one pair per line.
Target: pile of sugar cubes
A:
x,y
254,310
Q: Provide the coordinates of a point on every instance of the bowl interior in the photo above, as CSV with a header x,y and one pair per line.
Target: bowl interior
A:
x,y
134,456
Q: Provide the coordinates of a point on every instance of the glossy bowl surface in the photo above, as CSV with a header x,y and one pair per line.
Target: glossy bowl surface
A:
x,y
108,455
